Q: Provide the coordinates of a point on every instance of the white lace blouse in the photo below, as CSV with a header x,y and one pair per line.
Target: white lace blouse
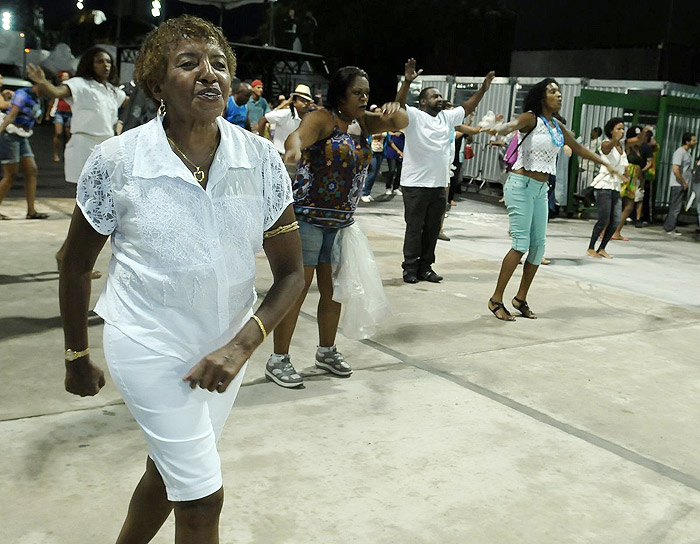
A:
x,y
537,152
181,278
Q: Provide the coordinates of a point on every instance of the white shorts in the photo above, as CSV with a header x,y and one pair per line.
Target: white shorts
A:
x,y
77,151
181,425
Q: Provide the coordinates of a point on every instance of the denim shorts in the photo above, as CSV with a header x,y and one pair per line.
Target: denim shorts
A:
x,y
62,118
316,243
13,148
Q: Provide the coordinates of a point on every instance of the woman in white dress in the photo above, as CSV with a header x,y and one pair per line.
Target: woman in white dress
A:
x,y
187,199
94,100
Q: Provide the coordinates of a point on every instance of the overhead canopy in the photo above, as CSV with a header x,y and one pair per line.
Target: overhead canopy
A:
x,y
223,4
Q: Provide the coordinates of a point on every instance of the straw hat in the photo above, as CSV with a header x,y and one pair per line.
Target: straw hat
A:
x,y
303,91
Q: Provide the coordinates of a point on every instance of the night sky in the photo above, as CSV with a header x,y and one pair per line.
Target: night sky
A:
x,y
466,37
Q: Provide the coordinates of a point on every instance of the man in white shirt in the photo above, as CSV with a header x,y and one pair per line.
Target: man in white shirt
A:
x,y
425,172
680,177
287,116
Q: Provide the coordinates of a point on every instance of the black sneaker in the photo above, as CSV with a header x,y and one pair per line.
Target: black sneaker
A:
x,y
431,276
409,277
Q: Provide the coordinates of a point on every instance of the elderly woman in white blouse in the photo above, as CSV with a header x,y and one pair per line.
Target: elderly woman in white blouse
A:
x,y
187,199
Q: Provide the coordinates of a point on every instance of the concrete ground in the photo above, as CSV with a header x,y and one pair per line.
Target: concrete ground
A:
x,y
577,427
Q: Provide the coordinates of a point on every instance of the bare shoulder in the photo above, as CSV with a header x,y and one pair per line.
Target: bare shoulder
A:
x,y
319,123
527,121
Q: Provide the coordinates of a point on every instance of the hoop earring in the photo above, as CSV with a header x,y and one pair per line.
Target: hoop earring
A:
x,y
162,109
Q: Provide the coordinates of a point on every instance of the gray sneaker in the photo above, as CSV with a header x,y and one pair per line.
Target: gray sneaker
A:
x,y
333,361
283,373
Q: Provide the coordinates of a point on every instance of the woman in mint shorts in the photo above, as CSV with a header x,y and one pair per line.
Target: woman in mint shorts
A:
x,y
541,136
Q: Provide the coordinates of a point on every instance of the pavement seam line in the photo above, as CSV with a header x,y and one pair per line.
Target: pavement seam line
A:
x,y
628,455
576,339
590,438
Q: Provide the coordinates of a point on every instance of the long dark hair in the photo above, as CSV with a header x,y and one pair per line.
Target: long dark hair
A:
x,y
86,67
535,96
339,84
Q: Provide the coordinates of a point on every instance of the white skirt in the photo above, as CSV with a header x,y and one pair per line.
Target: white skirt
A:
x,y
181,425
77,151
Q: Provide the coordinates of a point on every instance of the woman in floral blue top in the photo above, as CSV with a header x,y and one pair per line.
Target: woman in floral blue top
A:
x,y
15,130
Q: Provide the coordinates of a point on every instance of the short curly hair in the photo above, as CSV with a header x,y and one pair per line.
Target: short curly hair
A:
x,y
152,61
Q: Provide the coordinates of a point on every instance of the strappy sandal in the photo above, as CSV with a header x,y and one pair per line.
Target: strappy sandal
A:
x,y
37,215
3,217
523,308
499,306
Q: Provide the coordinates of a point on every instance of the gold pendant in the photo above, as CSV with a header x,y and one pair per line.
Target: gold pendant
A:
x,y
198,175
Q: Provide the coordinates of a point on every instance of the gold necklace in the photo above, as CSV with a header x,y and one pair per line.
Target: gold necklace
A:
x,y
198,173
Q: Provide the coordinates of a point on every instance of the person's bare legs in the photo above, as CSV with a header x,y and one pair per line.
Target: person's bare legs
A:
x,y
328,313
57,141
197,522
29,169
148,509
529,271
638,206
508,266
9,173
282,336
626,211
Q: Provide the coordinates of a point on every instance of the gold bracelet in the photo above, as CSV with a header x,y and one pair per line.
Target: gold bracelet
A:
x,y
260,324
281,230
72,355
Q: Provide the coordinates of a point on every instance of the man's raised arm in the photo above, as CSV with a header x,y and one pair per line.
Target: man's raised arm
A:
x,y
410,75
471,104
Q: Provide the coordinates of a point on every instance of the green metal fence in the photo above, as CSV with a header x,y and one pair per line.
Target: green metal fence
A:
x,y
671,116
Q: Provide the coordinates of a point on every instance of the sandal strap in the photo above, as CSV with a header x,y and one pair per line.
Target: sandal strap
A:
x,y
523,307
497,306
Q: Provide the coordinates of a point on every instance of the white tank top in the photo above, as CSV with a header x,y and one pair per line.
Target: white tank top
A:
x,y
537,152
604,179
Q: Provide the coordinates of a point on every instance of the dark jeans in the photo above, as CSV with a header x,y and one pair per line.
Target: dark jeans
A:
x,y
372,172
393,177
609,210
423,211
455,182
674,208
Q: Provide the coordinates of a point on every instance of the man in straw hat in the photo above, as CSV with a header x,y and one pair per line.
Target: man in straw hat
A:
x,y
287,116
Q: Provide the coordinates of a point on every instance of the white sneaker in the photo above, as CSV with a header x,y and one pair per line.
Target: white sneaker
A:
x,y
366,198
674,233
388,192
398,192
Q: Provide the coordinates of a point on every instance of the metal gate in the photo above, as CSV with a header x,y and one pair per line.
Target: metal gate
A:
x,y
676,116
673,115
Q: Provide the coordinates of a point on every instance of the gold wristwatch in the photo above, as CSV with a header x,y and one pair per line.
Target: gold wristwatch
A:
x,y
73,355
